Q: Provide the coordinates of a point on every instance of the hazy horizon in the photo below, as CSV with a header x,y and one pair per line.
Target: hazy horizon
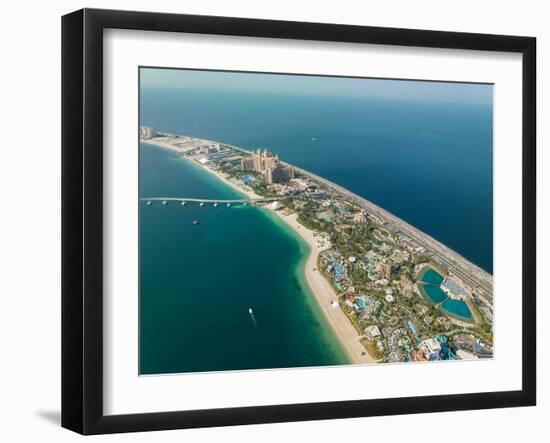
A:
x,y
171,78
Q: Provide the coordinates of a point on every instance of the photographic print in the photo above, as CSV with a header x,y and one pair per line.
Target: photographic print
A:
x,y
291,221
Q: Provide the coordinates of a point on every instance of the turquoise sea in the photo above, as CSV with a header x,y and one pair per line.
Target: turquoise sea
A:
x,y
428,162
197,282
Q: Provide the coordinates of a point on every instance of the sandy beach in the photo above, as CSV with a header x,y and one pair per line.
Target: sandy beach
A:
x,y
246,192
324,294
319,286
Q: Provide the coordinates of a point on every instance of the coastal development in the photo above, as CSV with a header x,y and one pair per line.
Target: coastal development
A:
x,y
390,292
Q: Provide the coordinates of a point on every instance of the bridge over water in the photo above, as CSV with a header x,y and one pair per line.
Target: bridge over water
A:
x,y
184,200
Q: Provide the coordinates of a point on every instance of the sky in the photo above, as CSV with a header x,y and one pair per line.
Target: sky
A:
x,y
316,85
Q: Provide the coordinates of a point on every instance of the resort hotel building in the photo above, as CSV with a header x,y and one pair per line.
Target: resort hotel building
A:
x,y
269,165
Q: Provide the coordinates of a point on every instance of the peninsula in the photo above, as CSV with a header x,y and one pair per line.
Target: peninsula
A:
x,y
390,292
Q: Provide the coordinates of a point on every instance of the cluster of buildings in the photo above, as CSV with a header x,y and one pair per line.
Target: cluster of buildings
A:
x,y
384,269
431,349
371,265
213,152
472,345
395,344
404,345
264,162
379,268
388,269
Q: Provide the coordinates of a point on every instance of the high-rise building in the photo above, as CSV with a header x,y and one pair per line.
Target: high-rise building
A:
x,y
257,159
269,176
247,164
279,174
266,163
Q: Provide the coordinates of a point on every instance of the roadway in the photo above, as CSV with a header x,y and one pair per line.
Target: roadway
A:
x,y
460,266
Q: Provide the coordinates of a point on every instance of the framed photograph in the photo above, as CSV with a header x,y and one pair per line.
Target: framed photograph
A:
x,y
269,221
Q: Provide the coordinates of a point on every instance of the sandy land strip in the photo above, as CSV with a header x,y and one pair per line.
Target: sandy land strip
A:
x,y
325,295
320,287
249,193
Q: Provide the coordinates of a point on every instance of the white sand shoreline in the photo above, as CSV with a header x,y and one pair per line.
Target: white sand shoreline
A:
x,y
319,286
325,295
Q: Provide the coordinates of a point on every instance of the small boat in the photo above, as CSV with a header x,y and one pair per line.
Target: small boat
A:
x,y
196,222
201,204
244,204
149,203
228,204
313,139
182,203
250,311
215,205
164,202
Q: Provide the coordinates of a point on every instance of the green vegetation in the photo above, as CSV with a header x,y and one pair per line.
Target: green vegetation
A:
x,y
372,349
372,263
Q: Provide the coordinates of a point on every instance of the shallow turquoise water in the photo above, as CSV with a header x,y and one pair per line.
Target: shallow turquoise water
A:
x,y
428,162
198,282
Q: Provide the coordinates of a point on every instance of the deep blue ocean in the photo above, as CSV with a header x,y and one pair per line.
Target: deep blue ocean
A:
x,y
428,162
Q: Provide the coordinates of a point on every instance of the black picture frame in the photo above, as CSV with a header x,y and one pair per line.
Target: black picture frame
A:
x,y
82,220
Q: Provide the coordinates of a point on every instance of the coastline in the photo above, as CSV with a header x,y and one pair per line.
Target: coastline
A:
x,y
324,295
319,287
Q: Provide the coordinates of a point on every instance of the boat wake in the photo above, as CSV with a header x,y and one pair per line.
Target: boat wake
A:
x,y
254,322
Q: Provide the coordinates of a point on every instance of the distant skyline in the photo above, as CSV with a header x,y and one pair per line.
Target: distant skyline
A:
x,y
317,85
